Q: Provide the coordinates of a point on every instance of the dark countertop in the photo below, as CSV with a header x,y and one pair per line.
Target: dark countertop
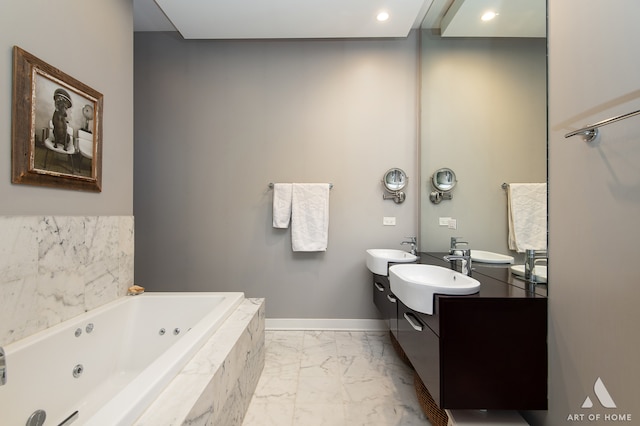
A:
x,y
496,280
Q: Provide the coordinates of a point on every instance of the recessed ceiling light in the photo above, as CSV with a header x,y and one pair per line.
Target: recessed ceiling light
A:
x,y
382,16
489,15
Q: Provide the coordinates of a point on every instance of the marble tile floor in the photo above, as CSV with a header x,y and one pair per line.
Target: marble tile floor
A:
x,y
333,378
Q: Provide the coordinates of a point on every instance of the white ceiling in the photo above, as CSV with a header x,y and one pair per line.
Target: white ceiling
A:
x,y
258,19
516,18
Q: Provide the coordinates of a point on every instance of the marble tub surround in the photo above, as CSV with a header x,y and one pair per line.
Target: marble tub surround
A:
x,y
53,268
333,378
216,386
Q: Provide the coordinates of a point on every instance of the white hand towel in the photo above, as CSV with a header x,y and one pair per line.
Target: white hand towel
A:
x,y
310,216
281,205
527,209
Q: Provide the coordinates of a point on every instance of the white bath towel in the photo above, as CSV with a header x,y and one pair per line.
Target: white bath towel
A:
x,y
527,209
281,204
310,216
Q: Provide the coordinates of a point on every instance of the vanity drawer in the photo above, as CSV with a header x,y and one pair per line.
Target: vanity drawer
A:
x,y
385,301
421,345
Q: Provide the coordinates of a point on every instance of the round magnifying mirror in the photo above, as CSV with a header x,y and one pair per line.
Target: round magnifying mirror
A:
x,y
394,180
444,180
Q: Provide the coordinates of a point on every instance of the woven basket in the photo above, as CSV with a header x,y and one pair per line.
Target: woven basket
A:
x,y
396,345
436,415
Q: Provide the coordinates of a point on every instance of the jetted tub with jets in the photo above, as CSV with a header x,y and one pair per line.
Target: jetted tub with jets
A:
x,y
105,367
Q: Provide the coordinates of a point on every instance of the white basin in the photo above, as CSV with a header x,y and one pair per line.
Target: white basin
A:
x,y
416,284
490,257
539,272
378,259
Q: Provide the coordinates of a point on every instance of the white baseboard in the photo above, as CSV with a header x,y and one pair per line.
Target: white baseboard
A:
x,y
325,324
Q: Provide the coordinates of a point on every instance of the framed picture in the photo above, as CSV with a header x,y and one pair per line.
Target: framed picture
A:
x,y
56,127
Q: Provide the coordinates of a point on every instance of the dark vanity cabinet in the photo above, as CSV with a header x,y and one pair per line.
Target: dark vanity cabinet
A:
x,y
385,301
480,353
483,351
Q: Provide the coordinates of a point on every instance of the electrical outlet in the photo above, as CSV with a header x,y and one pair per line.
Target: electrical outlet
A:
x,y
453,224
389,221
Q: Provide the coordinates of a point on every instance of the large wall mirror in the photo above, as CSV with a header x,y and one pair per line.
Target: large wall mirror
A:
x,y
483,114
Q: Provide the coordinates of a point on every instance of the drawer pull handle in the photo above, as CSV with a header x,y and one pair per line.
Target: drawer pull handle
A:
x,y
411,319
391,298
379,286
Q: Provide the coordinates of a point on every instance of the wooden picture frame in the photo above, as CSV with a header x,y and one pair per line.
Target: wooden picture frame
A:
x,y
56,127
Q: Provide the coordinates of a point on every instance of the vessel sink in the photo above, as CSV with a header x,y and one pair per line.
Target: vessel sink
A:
x,y
378,259
539,272
490,257
416,284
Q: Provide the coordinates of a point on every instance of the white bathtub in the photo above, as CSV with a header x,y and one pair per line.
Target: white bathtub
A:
x,y
125,361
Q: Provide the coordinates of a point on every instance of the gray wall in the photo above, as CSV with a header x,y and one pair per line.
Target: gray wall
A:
x,y
484,116
63,252
92,42
216,121
594,206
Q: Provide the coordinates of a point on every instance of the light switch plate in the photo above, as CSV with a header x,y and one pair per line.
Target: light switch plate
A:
x,y
389,221
453,224
444,221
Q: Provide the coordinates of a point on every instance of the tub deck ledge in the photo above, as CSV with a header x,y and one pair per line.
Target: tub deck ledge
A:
x,y
216,385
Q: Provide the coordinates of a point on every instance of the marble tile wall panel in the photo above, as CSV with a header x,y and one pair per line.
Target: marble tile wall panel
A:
x,y
53,268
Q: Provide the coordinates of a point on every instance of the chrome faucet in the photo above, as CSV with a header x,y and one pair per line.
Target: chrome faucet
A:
x,y
465,257
414,244
454,244
3,367
531,257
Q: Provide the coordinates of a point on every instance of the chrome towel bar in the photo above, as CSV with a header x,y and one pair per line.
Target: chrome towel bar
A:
x,y
271,185
590,132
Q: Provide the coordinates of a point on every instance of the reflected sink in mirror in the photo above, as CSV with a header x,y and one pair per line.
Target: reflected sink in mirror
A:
x,y
539,272
490,257
378,259
416,284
